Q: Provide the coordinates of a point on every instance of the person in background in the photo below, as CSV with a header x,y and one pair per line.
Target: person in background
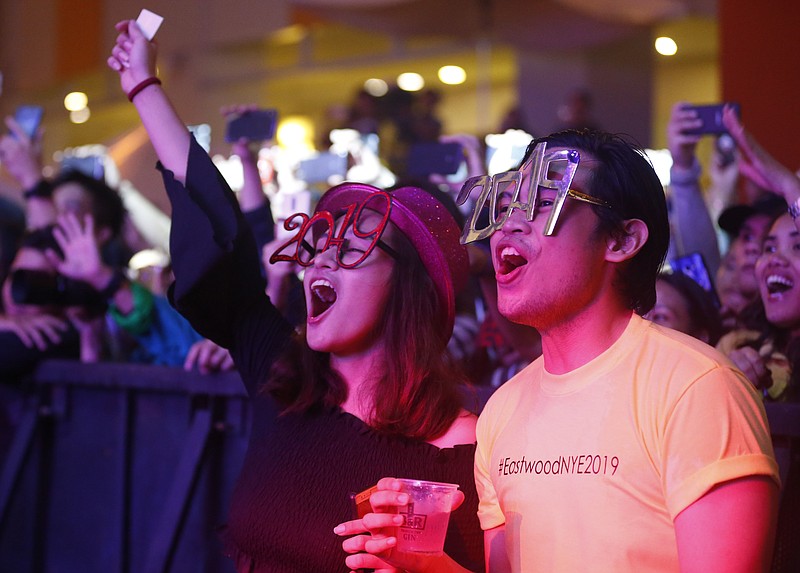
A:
x,y
766,347
43,319
366,388
682,304
746,227
576,111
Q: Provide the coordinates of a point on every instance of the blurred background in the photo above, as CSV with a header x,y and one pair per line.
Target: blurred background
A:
x,y
518,61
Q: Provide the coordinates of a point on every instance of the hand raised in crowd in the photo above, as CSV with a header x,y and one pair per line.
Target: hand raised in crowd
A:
x,y
724,173
681,144
81,252
757,164
208,357
240,148
133,57
471,148
373,542
251,196
21,155
39,331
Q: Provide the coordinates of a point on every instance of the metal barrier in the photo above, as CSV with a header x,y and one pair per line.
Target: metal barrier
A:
x,y
121,468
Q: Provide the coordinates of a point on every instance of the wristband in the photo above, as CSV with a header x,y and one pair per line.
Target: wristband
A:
x,y
141,85
794,209
681,176
42,190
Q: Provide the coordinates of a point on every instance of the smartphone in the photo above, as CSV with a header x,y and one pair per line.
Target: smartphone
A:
x,y
428,158
694,267
91,165
256,125
711,115
29,117
321,168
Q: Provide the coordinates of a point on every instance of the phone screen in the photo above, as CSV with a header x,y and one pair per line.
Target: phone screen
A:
x,y
257,125
29,117
428,158
711,116
694,267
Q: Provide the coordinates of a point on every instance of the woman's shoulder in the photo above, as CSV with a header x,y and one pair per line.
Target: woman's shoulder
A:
x,y
461,431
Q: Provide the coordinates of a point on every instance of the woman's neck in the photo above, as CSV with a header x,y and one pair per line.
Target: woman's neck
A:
x,y
359,374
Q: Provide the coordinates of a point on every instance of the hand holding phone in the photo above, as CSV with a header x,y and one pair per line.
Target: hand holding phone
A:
x,y
711,116
256,125
29,118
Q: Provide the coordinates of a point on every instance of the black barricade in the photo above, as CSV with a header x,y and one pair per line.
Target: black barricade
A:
x,y
121,468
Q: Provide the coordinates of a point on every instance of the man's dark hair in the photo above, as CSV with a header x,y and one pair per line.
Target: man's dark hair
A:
x,y
624,177
107,208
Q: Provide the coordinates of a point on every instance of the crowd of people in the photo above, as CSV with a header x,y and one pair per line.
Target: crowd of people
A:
x,y
638,326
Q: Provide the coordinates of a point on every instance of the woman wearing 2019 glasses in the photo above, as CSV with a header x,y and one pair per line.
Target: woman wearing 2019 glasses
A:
x,y
365,390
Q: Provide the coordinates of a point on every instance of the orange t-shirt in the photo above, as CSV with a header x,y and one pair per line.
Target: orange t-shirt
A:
x,y
588,470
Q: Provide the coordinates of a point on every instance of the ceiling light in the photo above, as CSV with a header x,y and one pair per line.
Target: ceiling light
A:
x,y
376,87
75,101
80,115
452,75
410,82
666,46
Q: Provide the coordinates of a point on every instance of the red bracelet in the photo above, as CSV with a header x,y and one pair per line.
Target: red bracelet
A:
x,y
141,85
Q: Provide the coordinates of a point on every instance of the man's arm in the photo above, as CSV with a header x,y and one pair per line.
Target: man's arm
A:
x,y
731,528
494,546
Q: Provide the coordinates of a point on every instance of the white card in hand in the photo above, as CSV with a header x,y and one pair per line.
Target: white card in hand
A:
x,y
149,23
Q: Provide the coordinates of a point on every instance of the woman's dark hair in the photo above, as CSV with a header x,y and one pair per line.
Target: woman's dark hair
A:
x,y
107,207
418,395
623,177
703,313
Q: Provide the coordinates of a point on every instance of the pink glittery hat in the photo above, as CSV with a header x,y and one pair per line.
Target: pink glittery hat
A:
x,y
429,226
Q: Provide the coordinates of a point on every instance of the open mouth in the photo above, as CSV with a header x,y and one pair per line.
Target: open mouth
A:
x,y
323,295
510,260
777,284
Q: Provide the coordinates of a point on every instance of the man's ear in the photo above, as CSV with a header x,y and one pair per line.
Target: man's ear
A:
x,y
630,239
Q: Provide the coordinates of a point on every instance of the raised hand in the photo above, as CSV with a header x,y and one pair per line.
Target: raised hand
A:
x,y
78,243
132,56
757,164
682,145
21,155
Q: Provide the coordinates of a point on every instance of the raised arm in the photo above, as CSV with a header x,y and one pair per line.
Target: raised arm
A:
x,y
21,156
134,58
758,165
218,286
689,216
